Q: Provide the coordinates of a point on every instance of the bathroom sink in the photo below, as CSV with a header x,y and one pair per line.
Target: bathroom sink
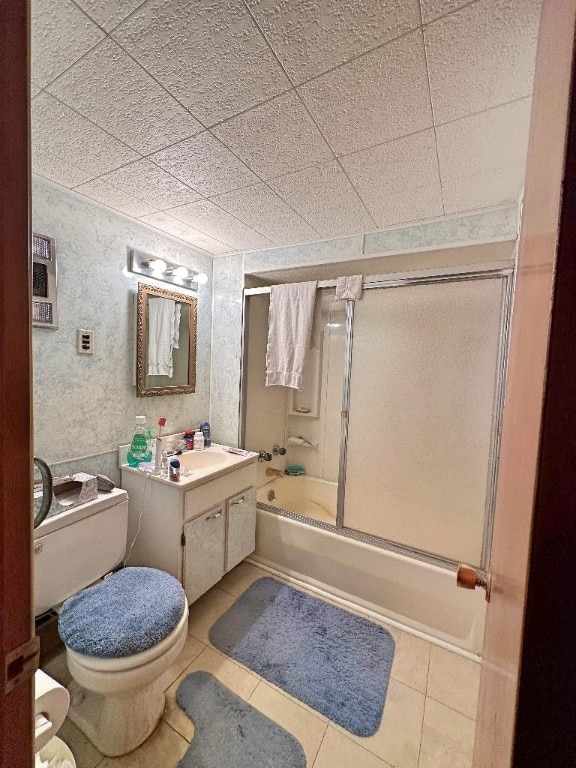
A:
x,y
203,459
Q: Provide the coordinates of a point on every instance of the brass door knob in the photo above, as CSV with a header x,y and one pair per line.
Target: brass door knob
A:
x,y
468,577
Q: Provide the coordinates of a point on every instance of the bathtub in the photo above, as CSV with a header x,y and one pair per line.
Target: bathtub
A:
x,y
305,495
413,595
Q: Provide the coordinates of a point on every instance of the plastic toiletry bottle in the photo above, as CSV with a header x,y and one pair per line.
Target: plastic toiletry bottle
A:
x,y
198,441
139,450
189,437
206,432
174,470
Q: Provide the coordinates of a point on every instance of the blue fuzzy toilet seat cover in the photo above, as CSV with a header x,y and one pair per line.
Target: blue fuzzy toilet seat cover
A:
x,y
131,611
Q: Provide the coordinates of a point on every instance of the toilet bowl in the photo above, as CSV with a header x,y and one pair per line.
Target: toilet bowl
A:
x,y
117,697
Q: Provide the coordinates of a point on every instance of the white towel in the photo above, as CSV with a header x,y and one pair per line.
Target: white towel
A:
x,y
349,288
176,334
289,329
160,336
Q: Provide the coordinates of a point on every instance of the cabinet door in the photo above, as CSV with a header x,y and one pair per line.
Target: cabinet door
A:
x,y
204,544
241,527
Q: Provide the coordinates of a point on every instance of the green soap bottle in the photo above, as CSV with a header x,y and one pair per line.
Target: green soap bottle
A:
x,y
139,450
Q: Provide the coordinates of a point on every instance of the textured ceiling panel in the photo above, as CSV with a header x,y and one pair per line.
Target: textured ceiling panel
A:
x,y
312,37
275,138
495,187
324,195
380,96
262,209
58,130
481,56
206,165
208,53
110,89
61,34
109,13
220,121
106,194
147,182
183,231
391,168
213,221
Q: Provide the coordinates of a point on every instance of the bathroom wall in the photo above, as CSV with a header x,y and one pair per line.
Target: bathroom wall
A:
x,y
484,226
85,405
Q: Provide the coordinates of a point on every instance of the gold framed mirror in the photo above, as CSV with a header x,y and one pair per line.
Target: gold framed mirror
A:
x,y
165,342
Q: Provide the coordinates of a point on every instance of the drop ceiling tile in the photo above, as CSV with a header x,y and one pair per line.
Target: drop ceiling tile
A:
x,y
408,205
147,182
213,221
391,168
325,198
110,89
484,142
190,235
61,34
210,55
312,37
205,164
34,89
108,195
494,187
58,130
276,137
432,9
262,209
481,56
51,167
109,13
380,96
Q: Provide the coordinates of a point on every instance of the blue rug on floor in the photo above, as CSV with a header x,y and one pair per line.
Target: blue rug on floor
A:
x,y
229,733
330,659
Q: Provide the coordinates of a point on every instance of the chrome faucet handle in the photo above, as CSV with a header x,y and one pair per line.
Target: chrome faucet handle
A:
x,y
264,456
279,450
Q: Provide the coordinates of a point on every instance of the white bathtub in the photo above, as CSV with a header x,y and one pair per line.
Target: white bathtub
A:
x,y
306,495
415,595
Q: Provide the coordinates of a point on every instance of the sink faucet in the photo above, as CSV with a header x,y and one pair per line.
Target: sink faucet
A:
x,y
271,472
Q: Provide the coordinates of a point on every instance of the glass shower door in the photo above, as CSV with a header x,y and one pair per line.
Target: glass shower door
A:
x,y
424,389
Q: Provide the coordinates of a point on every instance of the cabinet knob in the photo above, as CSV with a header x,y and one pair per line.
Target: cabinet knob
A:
x,y
214,516
241,500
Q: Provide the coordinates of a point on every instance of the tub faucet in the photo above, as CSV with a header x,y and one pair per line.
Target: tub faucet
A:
x,y
271,472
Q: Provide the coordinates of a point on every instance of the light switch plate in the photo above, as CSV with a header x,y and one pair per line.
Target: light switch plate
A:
x,y
84,341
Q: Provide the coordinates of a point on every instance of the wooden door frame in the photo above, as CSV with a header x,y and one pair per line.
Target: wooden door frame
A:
x,y
16,620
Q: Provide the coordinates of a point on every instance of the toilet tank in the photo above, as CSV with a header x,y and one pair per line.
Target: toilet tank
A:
x,y
74,549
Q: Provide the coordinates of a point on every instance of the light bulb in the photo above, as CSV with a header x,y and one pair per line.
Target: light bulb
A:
x,y
201,278
181,272
157,265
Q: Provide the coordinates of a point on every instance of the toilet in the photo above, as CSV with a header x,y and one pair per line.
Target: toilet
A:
x,y
121,634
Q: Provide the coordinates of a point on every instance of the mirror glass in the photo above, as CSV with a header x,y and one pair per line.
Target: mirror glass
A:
x,y
166,342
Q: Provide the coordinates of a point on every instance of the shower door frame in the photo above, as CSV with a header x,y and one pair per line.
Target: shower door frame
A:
x,y
499,270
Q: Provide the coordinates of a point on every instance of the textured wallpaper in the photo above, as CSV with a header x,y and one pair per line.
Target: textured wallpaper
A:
x,y
86,405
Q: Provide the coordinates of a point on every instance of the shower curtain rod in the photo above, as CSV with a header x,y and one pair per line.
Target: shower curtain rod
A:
x,y
398,278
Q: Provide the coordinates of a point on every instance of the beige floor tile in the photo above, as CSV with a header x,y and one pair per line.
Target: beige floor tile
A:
x,y
57,668
240,578
338,751
206,611
85,753
454,681
163,748
232,675
288,713
411,659
397,741
192,649
447,738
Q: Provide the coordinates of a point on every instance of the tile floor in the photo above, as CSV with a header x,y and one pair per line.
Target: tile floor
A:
x,y
428,718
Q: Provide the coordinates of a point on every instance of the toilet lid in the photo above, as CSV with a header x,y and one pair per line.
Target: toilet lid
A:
x,y
131,611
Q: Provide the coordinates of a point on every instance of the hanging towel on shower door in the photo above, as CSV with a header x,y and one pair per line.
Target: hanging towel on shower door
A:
x,y
349,288
289,329
161,314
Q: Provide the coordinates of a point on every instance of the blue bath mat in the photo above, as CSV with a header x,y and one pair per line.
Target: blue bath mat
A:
x,y
230,733
332,660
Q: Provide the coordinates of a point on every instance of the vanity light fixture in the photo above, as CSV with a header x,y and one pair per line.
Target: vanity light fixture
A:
x,y
141,263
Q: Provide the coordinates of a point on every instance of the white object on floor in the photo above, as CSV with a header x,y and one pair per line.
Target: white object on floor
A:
x,y
349,288
289,332
161,314
56,754
51,701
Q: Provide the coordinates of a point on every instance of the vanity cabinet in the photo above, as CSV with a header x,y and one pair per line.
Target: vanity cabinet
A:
x,y
195,531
